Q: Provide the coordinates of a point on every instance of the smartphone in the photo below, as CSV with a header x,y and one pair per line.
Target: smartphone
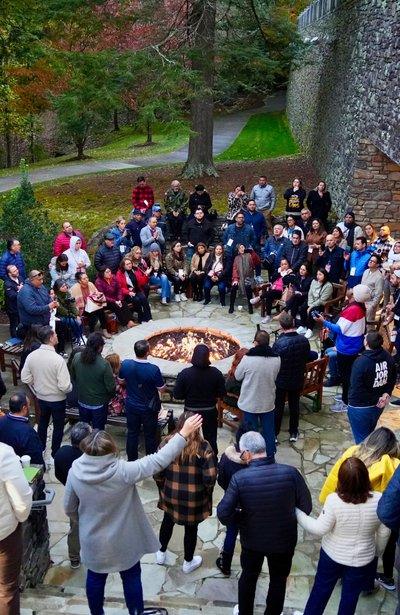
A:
x,y
248,251
322,247
347,250
315,314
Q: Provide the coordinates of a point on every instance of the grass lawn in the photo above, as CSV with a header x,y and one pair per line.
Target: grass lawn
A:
x,y
264,136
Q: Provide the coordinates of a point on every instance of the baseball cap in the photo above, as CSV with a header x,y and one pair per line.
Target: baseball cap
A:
x,y
156,207
109,236
137,212
397,273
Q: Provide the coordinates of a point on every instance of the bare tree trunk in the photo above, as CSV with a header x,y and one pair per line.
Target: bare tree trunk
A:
x,y
7,136
80,144
149,129
116,125
200,157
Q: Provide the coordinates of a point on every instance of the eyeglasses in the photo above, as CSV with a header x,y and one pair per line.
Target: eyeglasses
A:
x,y
242,453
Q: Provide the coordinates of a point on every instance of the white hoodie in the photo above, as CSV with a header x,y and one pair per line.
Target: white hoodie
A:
x,y
15,493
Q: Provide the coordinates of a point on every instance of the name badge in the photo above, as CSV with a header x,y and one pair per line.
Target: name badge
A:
x,y
180,271
328,267
353,271
230,242
396,317
122,249
310,250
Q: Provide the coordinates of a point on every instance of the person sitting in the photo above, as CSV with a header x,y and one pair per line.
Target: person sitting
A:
x,y
197,271
122,236
290,227
295,251
108,284
339,237
301,287
294,197
218,270
350,229
108,254
12,256
320,292
243,276
237,201
232,385
273,248
62,271
16,431
134,227
78,259
357,262
200,198
176,203
62,242
67,310
116,407
315,239
157,276
151,234
161,223
12,285
85,293
331,259
131,291
177,270
281,279
143,197
140,269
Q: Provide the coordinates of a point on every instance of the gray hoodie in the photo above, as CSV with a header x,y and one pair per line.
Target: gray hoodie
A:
x,y
101,494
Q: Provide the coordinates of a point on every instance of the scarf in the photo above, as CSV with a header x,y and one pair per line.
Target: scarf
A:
x,y
217,266
128,280
350,233
246,277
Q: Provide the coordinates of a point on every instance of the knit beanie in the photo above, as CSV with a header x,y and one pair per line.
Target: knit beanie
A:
x,y
154,246
361,293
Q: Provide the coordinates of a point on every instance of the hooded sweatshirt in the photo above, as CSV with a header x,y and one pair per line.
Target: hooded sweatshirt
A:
x,y
258,370
372,375
201,384
393,257
350,329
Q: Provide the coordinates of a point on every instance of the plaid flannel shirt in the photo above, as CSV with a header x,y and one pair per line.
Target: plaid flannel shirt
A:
x,y
383,246
140,195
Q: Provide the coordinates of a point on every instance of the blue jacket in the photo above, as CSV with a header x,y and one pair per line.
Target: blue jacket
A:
x,y
357,264
274,246
257,221
17,433
122,242
33,305
12,259
244,235
389,504
111,257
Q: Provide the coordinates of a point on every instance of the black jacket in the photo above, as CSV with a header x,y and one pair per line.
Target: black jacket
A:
x,y
226,273
305,226
303,284
229,464
335,262
294,200
200,200
134,229
11,294
372,375
267,494
296,255
200,387
199,232
294,350
17,433
111,257
63,461
319,206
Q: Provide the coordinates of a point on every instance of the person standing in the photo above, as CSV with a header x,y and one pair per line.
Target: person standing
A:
x,y
238,233
350,229
12,285
144,383
389,514
237,201
34,303
135,226
143,197
357,262
257,221
62,242
264,498
78,259
176,202
264,196
375,281
319,202
199,230
258,370
331,259
15,506
200,386
384,243
294,197
273,249
12,256
294,351
16,431
305,220
200,198
373,377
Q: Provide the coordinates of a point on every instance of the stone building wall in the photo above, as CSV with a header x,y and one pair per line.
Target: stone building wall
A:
x,y
347,90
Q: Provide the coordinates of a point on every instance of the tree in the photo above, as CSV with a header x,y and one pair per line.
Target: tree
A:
x,y
25,217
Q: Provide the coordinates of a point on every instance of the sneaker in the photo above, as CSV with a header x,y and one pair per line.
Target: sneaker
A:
x,y
50,461
259,279
266,319
332,382
84,338
395,404
160,555
64,355
164,300
235,610
222,305
190,566
293,437
301,330
75,564
308,334
233,417
183,297
339,407
255,300
385,582
338,398
177,298
159,291
298,613
206,302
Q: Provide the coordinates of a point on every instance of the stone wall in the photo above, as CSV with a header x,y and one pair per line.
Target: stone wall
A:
x,y
347,90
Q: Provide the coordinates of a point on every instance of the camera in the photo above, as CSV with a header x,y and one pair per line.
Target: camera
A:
x,y
68,300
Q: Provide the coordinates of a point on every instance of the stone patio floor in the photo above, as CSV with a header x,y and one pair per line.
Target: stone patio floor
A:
x,y
323,437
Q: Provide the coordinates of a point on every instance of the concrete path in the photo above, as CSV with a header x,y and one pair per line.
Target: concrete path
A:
x,y
226,129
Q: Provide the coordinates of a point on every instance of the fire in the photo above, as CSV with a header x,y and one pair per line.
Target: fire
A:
x,y
179,345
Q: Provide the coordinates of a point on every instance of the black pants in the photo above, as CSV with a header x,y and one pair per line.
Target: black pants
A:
x,y
123,313
197,282
176,223
62,334
140,305
189,542
93,316
345,364
389,554
209,426
234,290
279,565
13,317
306,319
179,285
56,411
270,296
294,303
294,409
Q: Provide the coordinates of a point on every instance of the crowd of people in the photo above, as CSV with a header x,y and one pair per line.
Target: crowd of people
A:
x,y
264,500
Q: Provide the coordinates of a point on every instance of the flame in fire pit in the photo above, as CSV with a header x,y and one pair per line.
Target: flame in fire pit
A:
x,y
178,344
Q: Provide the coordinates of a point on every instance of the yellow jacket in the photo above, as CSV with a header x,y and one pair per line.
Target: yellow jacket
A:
x,y
380,473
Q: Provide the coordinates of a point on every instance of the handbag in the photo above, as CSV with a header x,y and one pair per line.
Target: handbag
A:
x,y
155,402
287,293
94,302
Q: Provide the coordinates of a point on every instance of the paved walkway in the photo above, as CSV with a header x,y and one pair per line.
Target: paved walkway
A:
x,y
226,129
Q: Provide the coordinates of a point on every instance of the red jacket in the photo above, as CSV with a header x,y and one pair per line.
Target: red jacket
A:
x,y
112,291
61,244
254,261
143,194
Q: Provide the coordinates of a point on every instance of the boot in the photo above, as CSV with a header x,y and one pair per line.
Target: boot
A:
x,y
224,563
195,297
231,308
200,297
250,307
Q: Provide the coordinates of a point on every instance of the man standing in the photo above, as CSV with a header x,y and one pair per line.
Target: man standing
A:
x,y
200,199
305,221
176,203
263,498
108,254
258,370
143,382
332,260
372,381
238,233
134,226
375,281
34,303
273,248
357,262
295,251
384,243
199,230
61,244
12,285
16,431
143,197
257,222
294,351
264,196
47,372
13,256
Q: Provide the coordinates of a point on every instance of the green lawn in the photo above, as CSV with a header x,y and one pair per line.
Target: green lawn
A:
x,y
264,136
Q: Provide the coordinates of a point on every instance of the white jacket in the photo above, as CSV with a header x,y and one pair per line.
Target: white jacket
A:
x,y
47,372
15,493
352,534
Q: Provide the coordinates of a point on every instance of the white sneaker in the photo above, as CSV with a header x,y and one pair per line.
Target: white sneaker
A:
x,y
183,297
160,555
259,279
177,298
298,613
266,319
308,334
235,610
190,566
255,300
50,461
339,407
301,330
164,300
159,291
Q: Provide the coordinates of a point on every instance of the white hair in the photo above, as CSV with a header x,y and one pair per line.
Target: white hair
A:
x,y
253,442
175,181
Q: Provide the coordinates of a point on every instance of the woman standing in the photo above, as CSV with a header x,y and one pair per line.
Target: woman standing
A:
x,y
294,199
101,496
218,271
131,290
290,227
243,276
301,287
186,488
319,202
281,279
78,259
177,270
197,271
61,271
237,201
108,284
320,292
315,239
157,275
352,536
232,385
122,236
81,292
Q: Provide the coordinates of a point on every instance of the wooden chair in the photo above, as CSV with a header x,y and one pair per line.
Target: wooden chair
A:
x,y
385,332
224,407
334,305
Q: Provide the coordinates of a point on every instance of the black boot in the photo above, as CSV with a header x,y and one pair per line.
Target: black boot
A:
x,y
224,563
200,297
231,308
250,307
195,297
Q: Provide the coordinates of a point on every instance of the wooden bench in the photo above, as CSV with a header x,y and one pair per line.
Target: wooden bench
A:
x,y
14,352
313,383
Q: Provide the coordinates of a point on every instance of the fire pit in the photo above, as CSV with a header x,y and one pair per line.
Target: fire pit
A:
x,y
178,344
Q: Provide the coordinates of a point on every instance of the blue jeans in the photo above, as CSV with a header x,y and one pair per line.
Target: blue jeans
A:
x,y
135,418
208,284
189,256
97,417
355,580
333,368
165,284
56,410
363,421
76,327
133,591
268,428
230,538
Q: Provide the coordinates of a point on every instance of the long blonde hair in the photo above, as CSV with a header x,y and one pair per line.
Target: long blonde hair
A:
x,y
380,442
150,258
194,441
